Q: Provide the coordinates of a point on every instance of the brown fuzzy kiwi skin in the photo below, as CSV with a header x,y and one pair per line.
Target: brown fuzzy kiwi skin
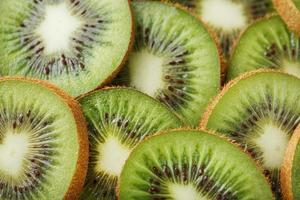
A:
x,y
125,58
78,179
211,132
286,169
289,13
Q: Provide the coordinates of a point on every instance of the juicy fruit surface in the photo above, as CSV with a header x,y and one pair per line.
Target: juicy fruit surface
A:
x,y
118,119
199,166
174,59
75,44
228,17
267,43
260,112
38,142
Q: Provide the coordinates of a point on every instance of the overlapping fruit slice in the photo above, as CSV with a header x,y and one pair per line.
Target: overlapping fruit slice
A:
x,y
118,119
76,44
260,111
175,59
191,165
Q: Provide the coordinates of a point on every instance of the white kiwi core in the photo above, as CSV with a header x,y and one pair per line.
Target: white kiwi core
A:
x,y
186,192
146,72
57,28
224,14
13,150
112,156
292,68
272,143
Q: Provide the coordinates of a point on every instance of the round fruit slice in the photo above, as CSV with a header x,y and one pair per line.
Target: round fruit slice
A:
x,y
75,44
43,142
228,17
290,171
191,165
118,119
268,43
289,10
260,111
174,60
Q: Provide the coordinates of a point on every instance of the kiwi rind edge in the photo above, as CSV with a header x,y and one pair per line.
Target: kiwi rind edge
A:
x,y
289,13
78,178
286,169
211,132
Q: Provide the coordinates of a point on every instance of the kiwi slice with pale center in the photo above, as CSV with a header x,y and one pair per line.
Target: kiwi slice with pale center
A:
x,y
267,43
228,17
118,119
191,165
289,10
290,171
259,110
43,142
76,44
175,59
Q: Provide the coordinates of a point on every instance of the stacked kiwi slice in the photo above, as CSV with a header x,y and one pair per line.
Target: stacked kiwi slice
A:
x,y
76,44
174,60
267,43
118,119
228,18
133,99
201,166
43,142
260,111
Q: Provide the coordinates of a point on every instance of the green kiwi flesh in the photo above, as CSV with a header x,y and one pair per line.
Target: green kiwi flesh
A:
x,y
39,143
174,59
268,43
118,119
76,44
228,18
191,165
260,111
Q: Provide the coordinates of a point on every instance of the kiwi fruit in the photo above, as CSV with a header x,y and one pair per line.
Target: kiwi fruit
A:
x,y
258,110
290,171
267,43
191,165
118,119
289,10
76,44
174,59
228,18
43,142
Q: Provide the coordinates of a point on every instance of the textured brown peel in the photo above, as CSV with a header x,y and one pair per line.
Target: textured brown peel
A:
x,y
286,169
289,13
78,179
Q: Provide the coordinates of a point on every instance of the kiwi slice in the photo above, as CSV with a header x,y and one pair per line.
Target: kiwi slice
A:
x,y
191,165
290,171
76,44
268,43
43,142
289,10
228,18
174,59
118,119
260,111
